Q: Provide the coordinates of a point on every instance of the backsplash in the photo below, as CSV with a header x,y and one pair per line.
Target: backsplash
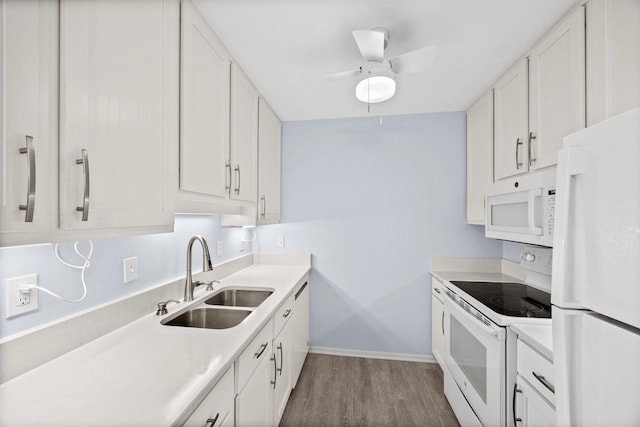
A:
x,y
161,259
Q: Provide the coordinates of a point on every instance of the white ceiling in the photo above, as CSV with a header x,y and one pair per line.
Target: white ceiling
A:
x,y
287,46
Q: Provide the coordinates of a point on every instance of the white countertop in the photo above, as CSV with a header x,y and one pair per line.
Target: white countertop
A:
x,y
143,373
539,337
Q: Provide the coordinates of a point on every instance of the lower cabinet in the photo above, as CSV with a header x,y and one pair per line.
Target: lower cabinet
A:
x,y
282,352
254,402
437,321
533,397
216,410
300,323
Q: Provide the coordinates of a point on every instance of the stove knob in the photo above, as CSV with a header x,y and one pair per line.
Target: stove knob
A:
x,y
528,257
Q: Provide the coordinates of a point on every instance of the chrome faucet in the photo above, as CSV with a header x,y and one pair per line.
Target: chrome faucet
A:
x,y
189,284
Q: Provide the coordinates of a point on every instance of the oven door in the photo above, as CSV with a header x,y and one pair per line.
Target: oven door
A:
x,y
475,358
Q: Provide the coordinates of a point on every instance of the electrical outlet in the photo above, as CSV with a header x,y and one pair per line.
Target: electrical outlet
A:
x,y
17,301
130,269
280,242
219,248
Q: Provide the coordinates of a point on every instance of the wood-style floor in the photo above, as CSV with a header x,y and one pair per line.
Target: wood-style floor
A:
x,y
351,391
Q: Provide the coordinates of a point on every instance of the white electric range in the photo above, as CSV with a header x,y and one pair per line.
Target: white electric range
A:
x,y
480,348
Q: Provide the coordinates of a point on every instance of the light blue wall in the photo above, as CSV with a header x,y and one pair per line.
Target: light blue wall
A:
x,y
161,259
373,203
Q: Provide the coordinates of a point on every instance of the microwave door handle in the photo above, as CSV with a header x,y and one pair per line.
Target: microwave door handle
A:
x,y
571,162
531,213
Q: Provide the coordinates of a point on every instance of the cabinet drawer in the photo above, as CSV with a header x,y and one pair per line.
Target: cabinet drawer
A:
x,y
257,350
282,315
217,405
537,370
437,288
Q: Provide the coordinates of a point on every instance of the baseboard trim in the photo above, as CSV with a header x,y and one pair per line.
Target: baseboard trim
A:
x,y
373,354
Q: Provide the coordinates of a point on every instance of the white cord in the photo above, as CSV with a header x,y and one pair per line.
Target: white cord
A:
x,y
82,267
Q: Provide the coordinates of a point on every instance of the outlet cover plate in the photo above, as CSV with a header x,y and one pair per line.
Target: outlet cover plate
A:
x,y
280,242
219,248
15,301
130,269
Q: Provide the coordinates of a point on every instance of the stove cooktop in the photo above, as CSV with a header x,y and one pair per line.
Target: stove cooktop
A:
x,y
509,299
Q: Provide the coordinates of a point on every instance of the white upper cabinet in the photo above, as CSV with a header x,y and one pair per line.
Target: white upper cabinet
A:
x,y
28,120
269,171
541,100
204,110
556,89
613,58
479,156
244,137
119,86
511,122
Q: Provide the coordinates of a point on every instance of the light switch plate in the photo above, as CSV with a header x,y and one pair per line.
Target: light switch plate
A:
x,y
219,248
17,302
130,269
280,242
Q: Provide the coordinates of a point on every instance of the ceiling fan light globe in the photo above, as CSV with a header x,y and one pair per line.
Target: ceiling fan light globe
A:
x,y
375,89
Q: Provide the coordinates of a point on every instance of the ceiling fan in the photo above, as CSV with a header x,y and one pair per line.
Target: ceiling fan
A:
x,y
378,75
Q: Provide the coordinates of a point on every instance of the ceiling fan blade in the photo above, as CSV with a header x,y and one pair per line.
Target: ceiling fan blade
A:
x,y
342,75
416,61
370,43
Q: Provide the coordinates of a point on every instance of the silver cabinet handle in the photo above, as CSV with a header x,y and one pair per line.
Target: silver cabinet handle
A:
x,y
442,323
212,421
264,206
544,382
275,371
281,358
437,290
518,144
237,189
30,151
531,160
258,353
227,183
515,390
287,313
84,161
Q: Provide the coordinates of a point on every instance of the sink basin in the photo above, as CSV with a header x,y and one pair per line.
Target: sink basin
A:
x,y
209,318
239,297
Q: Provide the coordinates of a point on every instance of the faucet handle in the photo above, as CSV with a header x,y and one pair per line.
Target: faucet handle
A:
x,y
208,283
162,307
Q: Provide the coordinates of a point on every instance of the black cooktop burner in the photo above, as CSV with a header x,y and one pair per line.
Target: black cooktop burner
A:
x,y
510,299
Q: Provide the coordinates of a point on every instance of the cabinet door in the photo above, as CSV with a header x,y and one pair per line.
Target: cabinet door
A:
x,y
254,403
479,156
511,106
556,89
28,119
300,322
269,160
437,328
244,137
204,108
119,84
283,351
532,410
613,58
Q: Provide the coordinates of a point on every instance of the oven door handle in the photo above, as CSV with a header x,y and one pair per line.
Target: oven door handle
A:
x,y
477,322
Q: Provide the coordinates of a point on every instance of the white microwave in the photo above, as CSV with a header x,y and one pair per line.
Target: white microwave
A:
x,y
521,209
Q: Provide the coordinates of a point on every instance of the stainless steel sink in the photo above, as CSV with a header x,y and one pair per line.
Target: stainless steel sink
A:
x,y
209,318
239,297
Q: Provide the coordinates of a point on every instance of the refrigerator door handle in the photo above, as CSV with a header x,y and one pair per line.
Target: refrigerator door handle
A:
x,y
571,162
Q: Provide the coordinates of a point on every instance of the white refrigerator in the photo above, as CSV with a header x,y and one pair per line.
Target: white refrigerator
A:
x,y
595,289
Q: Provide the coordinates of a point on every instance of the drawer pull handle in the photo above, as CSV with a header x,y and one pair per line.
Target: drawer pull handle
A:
x,y
287,313
544,382
212,421
437,290
258,353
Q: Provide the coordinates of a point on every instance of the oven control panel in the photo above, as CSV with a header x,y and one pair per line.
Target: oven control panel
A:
x,y
538,259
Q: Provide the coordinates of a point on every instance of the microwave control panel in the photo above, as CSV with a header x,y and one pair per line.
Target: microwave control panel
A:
x,y
549,206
